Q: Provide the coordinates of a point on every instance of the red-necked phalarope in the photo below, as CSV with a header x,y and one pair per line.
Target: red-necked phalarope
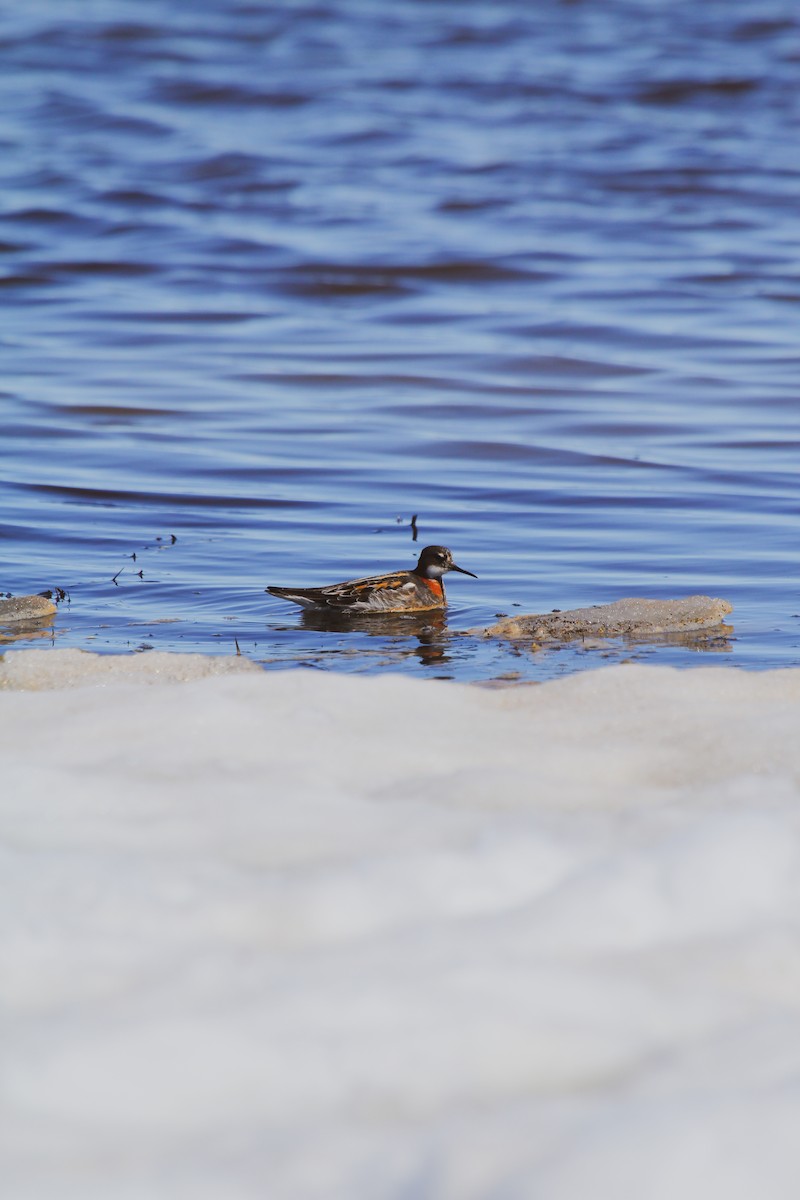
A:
x,y
398,591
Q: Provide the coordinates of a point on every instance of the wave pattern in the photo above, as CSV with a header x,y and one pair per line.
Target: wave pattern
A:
x,y
276,278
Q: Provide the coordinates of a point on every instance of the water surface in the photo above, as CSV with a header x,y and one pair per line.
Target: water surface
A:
x,y
276,278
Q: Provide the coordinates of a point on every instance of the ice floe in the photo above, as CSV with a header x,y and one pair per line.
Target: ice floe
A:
x,y
633,617
25,608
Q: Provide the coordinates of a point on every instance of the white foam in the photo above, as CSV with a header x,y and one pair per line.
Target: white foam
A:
x,y
310,935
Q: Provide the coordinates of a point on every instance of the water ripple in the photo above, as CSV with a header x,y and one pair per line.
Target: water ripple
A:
x,y
276,279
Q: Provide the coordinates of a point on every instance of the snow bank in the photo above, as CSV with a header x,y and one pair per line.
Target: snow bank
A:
x,y
310,936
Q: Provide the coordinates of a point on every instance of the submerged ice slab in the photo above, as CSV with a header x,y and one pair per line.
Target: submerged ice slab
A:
x,y
320,935
623,618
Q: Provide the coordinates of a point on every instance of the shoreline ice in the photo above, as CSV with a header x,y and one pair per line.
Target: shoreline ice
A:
x,y
55,669
314,935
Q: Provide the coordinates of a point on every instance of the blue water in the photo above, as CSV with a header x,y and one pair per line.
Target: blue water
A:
x,y
277,277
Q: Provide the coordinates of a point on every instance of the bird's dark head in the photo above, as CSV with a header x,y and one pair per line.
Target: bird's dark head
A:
x,y
436,561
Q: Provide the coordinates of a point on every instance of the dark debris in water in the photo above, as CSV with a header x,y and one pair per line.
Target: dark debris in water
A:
x,y
56,594
161,543
401,521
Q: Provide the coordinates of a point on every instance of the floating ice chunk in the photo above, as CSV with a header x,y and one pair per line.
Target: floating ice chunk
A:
x,y
25,608
25,617
41,670
624,618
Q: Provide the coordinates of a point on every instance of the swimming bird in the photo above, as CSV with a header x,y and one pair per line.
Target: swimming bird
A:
x,y
396,592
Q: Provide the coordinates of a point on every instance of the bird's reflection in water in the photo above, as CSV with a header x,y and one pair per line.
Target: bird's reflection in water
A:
x,y
429,628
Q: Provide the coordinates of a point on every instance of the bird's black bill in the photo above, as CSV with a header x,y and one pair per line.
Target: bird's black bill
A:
x,y
461,571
